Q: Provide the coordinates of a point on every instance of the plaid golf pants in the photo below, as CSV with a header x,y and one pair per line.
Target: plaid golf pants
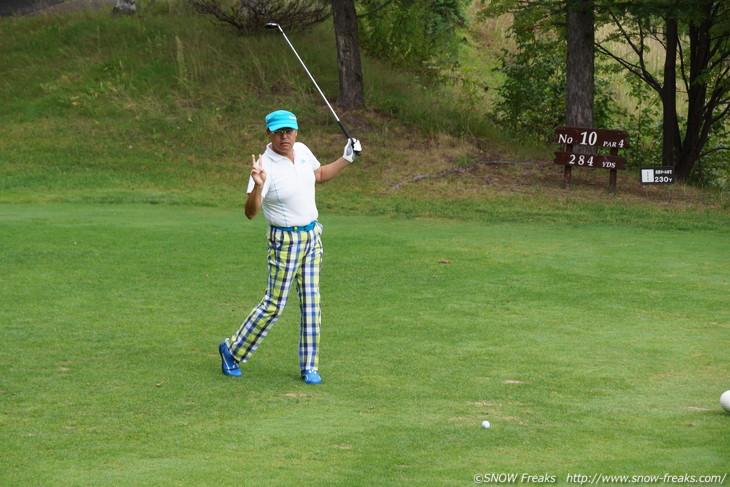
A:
x,y
295,256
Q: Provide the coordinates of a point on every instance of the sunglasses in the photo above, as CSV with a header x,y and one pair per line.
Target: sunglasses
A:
x,y
284,132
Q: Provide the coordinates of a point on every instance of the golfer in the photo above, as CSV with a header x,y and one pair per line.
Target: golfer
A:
x,y
282,184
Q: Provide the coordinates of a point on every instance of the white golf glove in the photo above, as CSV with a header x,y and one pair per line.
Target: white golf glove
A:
x,y
352,150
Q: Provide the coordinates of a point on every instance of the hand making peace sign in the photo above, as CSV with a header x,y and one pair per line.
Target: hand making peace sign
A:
x,y
257,172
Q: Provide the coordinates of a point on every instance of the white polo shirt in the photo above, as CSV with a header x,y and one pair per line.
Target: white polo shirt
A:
x,y
289,188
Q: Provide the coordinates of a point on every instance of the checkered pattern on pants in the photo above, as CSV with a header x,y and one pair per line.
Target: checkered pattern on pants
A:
x,y
294,257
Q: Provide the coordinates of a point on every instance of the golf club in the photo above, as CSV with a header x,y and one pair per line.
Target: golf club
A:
x,y
274,25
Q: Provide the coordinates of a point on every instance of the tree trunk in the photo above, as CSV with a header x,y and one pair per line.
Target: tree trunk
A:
x,y
671,142
125,7
698,115
579,70
351,93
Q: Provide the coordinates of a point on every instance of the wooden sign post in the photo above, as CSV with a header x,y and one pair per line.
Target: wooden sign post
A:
x,y
596,139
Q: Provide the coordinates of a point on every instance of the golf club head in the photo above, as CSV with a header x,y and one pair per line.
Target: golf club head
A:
x,y
271,25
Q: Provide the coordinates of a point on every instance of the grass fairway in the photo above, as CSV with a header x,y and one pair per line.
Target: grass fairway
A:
x,y
591,349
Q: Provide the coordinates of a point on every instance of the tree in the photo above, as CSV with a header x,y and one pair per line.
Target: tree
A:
x,y
695,38
579,66
551,73
249,16
351,93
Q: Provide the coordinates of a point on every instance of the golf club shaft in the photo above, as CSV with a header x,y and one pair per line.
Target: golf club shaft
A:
x,y
344,131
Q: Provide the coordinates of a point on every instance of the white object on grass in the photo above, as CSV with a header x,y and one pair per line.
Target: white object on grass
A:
x,y
725,401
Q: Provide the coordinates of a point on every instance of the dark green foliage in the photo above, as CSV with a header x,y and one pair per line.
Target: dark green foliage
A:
x,y
533,94
418,34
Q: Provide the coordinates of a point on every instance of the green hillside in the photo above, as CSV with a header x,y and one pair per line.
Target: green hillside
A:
x,y
166,107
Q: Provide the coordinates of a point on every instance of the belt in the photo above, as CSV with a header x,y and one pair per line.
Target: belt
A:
x,y
305,228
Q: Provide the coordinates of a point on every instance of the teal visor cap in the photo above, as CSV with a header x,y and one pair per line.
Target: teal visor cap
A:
x,y
281,119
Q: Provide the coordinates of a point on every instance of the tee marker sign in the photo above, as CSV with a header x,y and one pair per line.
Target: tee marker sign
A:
x,y
657,175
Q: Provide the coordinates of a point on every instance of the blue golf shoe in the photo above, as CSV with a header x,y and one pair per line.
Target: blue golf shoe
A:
x,y
311,376
228,363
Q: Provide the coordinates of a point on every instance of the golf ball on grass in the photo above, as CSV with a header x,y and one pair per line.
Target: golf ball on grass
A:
x,y
486,424
725,401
